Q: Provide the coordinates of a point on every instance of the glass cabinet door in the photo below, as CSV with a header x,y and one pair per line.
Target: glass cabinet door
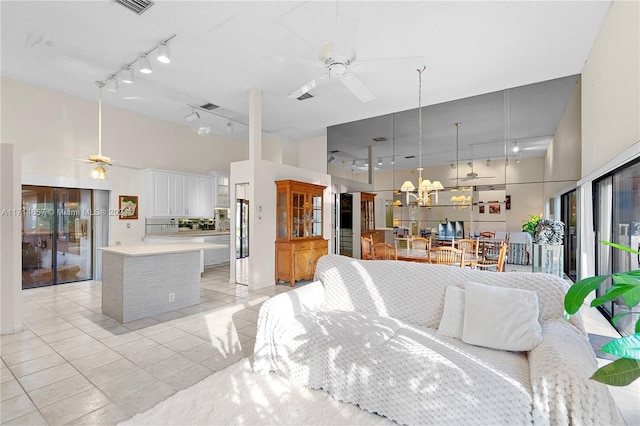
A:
x,y
282,214
298,202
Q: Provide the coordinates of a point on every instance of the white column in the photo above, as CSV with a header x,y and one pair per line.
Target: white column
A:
x,y
255,125
10,238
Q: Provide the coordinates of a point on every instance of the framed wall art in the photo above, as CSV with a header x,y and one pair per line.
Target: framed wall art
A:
x,y
128,207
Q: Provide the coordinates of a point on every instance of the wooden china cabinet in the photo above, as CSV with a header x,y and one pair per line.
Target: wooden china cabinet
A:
x,y
299,221
368,216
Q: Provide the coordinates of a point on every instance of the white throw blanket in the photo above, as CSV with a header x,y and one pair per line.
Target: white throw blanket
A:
x,y
365,333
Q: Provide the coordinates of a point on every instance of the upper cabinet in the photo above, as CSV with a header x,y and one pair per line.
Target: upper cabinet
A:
x,y
222,189
178,194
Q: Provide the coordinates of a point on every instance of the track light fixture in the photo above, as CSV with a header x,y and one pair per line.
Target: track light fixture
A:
x,y
379,161
164,53
488,162
126,75
229,128
353,165
193,116
516,148
453,166
112,85
145,65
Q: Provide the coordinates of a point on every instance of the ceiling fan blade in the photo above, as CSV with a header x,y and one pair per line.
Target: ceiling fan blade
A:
x,y
303,89
356,87
345,36
125,166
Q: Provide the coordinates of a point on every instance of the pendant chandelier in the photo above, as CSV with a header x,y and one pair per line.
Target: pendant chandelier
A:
x,y
426,188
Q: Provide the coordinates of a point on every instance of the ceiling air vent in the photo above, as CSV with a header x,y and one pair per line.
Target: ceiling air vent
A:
x,y
136,6
410,156
305,96
209,106
379,139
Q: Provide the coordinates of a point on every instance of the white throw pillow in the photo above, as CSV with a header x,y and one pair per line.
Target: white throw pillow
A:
x,y
501,318
453,314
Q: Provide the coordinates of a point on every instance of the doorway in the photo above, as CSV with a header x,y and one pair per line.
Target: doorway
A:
x,y
242,234
568,216
57,234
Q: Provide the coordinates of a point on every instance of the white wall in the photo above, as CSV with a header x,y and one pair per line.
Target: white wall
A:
x,y
611,88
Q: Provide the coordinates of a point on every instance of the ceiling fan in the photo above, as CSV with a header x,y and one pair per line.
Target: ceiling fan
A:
x,y
471,175
100,161
339,59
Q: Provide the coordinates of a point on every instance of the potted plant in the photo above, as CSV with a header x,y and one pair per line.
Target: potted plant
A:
x,y
530,224
626,369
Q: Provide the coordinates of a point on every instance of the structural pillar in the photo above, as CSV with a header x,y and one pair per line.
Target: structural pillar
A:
x,y
10,239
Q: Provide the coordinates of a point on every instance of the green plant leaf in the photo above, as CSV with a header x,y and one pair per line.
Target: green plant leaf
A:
x,y
618,246
632,297
615,319
578,291
625,347
629,278
620,372
611,294
637,325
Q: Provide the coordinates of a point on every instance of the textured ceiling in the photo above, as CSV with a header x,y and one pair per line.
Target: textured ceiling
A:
x,y
222,49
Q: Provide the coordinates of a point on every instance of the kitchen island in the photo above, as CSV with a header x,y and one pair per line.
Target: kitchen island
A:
x,y
210,258
140,281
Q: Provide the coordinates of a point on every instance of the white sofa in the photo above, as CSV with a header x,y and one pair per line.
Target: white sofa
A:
x,y
369,333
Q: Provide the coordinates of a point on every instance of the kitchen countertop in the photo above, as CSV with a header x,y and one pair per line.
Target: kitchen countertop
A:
x,y
153,249
187,234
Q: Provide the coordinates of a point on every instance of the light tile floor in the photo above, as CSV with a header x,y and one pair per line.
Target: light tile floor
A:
x,y
73,365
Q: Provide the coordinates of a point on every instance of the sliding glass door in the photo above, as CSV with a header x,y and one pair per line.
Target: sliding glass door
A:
x,y
617,219
56,235
568,217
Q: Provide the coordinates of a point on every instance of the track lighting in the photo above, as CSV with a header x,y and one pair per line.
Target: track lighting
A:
x,y
488,162
112,85
516,148
126,76
393,160
331,158
366,163
453,165
353,165
379,161
145,65
193,116
229,128
517,161
164,54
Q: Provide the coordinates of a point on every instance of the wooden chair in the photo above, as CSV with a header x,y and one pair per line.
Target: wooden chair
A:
x,y
366,245
384,251
420,243
447,256
487,234
469,246
493,265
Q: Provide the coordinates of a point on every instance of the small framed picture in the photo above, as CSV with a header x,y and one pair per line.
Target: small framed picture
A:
x,y
128,207
494,208
481,208
507,202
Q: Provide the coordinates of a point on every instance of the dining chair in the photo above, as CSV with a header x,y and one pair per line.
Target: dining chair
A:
x,y
366,245
469,246
420,243
493,265
487,234
447,256
384,251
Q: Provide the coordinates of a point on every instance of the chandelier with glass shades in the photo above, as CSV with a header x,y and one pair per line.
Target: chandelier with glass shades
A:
x,y
426,188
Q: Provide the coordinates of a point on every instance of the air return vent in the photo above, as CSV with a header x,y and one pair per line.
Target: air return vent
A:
x,y
410,156
136,6
209,106
305,96
379,139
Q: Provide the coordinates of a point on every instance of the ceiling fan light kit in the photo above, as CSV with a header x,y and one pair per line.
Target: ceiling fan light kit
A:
x,y
99,172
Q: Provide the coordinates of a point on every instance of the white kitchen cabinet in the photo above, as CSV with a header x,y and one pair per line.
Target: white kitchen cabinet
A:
x,y
222,190
178,194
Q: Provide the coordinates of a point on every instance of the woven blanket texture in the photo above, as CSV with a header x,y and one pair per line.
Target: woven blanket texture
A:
x,y
366,333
